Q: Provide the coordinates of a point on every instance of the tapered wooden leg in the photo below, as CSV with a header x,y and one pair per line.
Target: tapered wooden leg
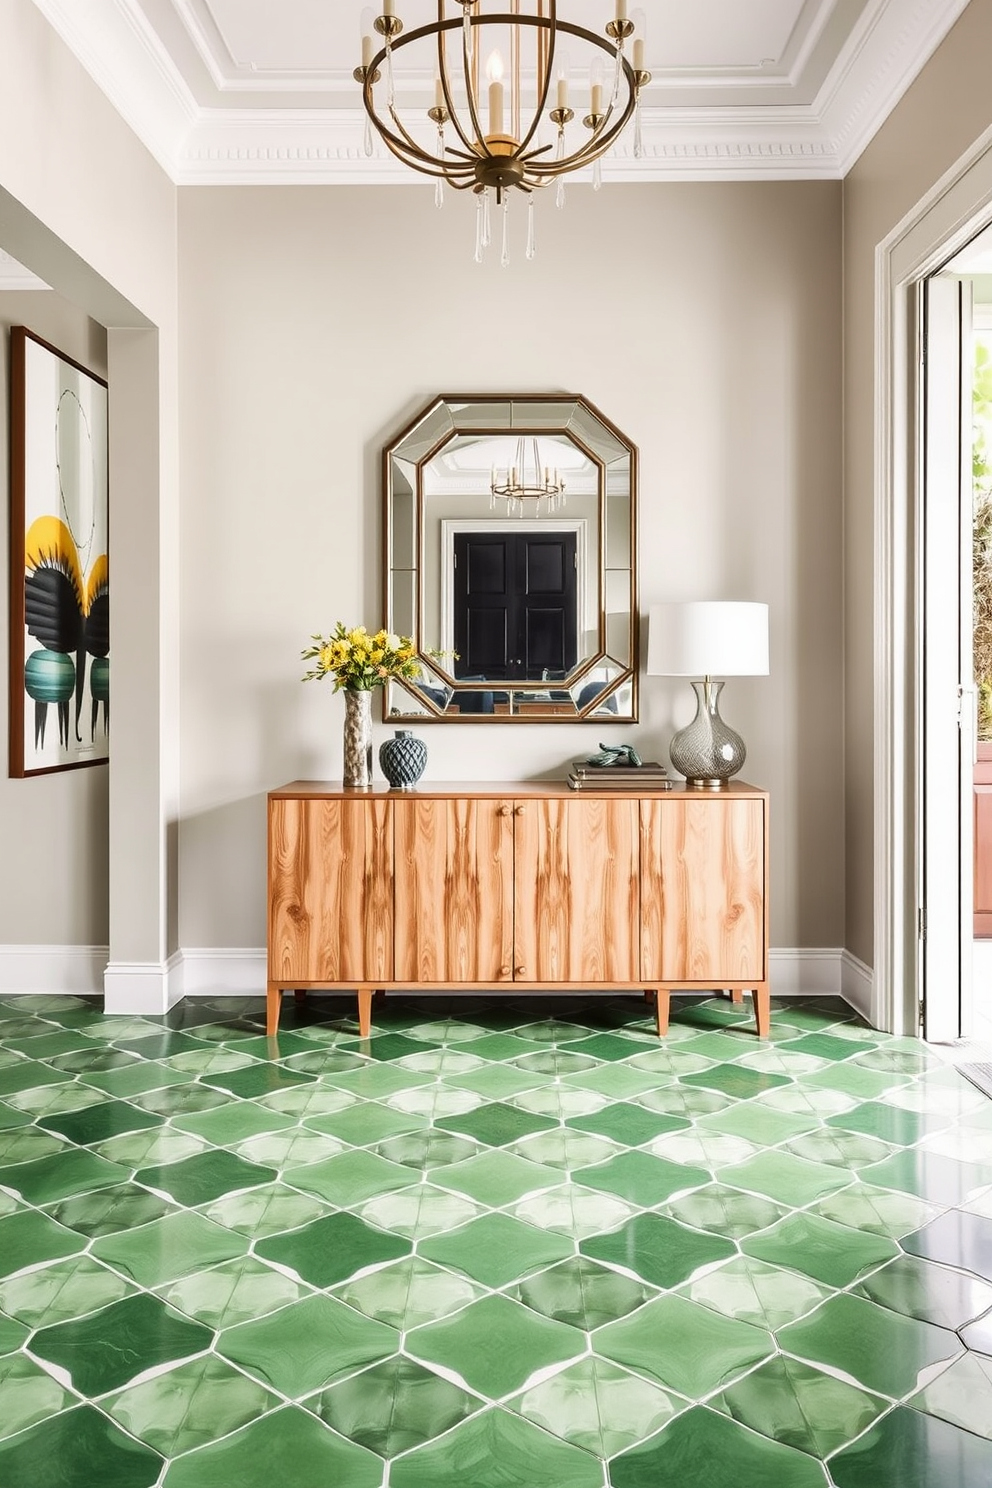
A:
x,y
365,1011
662,1009
761,1000
737,994
273,1002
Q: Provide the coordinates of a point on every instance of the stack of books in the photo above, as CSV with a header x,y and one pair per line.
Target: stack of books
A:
x,y
649,776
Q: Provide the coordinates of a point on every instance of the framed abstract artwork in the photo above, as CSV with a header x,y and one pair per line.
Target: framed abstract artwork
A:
x,y
59,574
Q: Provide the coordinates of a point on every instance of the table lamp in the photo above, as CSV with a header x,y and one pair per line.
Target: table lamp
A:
x,y
707,639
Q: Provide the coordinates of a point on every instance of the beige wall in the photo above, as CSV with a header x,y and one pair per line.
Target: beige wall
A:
x,y
55,888
703,319
942,114
84,205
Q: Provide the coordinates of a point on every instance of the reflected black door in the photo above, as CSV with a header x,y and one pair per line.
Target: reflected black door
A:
x,y
515,604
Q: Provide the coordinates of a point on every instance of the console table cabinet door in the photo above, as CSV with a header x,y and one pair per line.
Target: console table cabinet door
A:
x,y
703,892
454,895
575,890
330,891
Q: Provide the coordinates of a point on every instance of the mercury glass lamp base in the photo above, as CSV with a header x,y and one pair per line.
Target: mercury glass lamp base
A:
x,y
707,752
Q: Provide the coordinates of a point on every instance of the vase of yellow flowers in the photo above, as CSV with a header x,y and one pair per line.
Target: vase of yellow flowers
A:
x,y
359,663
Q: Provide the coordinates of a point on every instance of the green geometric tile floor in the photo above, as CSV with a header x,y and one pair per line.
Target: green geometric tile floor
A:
x,y
498,1243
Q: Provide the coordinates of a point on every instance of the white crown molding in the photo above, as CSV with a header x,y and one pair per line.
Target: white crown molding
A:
x,y
14,276
269,145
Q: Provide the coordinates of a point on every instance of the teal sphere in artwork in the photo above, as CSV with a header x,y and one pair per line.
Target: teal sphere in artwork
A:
x,y
49,676
100,679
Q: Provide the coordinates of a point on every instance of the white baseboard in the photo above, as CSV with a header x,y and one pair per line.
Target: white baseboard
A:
x,y
212,971
149,987
73,969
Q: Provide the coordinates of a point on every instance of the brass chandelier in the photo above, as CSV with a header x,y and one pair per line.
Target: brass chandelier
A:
x,y
527,479
501,114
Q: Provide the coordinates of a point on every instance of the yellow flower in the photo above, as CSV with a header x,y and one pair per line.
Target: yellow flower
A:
x,y
327,658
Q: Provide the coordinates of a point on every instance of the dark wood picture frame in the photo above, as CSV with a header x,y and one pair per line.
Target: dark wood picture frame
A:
x,y
59,679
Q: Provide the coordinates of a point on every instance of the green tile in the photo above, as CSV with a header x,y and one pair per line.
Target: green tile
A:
x,y
884,1212
496,1178
495,1082
20,1146
446,1064
408,1293
881,1350
268,1210
683,1346
659,1250
842,1148
572,1210
394,1406
108,1348
735,1080
419,1211
907,1449
629,1124
339,1340
564,1148
938,1180
237,1122
684,1100
366,1124
289,1445
495,1346
829,1252
331,1249
305,1101
29,1395
724,1211
824,1046
137,1079
493,1450
67,1289
161,1045
754,1292
61,1174
756,1122
208,1175
879,1119
234,1292
9,1118
605,1046
495,1249
168,1248
189,1407
961,1395
852,1079
581,1292
180,1100
154,1147
641,1178
97,1123
105,1211
959,1239
427,1149
921,1289
703,1446
95,1059
12,1335
786,1178
665,1060
431,1102
496,1124
80,1446
27,1074
377,1081
256,1080
560,1101
44,1045
349,1178
806,1100
619,1082
802,1407
779,1059
911,1059
27,1239
499,1046
708,1148
596,1406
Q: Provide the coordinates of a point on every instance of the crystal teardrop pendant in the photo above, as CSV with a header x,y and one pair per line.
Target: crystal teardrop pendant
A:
x,y
504,258
487,231
480,245
597,174
638,136
367,142
531,232
439,192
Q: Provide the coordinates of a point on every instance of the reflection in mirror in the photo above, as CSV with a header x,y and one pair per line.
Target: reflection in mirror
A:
x,y
509,526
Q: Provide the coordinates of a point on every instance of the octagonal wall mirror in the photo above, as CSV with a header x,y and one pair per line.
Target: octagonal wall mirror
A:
x,y
510,541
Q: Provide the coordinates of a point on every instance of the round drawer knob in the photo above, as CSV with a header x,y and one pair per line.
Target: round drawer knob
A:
x,y
519,811
521,971
504,971
503,811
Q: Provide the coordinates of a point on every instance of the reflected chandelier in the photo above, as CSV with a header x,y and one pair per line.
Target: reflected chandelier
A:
x,y
520,484
501,79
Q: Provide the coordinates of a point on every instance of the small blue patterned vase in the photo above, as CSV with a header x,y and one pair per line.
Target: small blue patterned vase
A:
x,y
403,759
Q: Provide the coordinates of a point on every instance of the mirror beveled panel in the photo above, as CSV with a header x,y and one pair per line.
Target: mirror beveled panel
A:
x,y
525,610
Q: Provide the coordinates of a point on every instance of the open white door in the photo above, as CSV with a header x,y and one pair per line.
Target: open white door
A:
x,y
948,692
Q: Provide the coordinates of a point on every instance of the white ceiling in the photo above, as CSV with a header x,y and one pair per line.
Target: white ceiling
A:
x,y
225,91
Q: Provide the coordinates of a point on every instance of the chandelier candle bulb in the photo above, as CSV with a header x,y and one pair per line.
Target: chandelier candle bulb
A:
x,y
494,72
562,93
438,93
621,10
638,55
596,104
366,51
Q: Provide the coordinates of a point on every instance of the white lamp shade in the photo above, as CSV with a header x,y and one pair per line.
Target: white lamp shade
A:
x,y
708,638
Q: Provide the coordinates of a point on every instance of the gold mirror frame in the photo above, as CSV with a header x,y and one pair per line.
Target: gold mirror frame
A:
x,y
601,685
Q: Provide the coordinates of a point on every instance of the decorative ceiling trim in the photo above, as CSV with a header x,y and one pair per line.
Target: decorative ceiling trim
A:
x,y
199,146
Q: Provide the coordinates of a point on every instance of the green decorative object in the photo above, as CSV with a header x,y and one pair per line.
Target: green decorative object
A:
x,y
615,754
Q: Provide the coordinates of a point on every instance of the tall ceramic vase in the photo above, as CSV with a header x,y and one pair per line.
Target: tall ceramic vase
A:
x,y
357,739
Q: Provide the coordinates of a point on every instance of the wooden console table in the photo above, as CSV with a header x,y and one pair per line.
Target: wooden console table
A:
x,y
527,887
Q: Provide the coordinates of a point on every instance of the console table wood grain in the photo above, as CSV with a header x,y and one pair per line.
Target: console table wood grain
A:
x,y
522,887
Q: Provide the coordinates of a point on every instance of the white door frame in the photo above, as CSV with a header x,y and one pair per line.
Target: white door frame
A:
x,y
956,208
